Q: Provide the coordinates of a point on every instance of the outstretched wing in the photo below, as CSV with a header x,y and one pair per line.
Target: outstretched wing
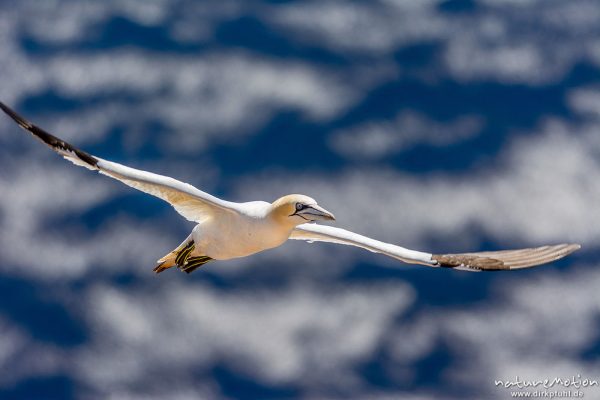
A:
x,y
484,261
192,203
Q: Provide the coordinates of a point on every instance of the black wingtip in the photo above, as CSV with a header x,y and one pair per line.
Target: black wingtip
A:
x,y
49,139
18,119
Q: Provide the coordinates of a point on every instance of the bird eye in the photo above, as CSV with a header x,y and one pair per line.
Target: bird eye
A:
x,y
299,206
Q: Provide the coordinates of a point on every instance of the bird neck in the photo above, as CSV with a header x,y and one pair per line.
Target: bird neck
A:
x,y
279,216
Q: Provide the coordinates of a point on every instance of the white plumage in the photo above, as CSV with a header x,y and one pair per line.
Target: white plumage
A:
x,y
228,230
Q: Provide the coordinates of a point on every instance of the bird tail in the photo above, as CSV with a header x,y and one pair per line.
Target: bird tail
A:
x,y
180,257
165,263
171,259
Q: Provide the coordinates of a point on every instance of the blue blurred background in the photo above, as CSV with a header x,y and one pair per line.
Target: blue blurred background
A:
x,y
439,125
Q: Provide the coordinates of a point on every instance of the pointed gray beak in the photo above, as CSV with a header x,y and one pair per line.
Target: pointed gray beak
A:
x,y
316,213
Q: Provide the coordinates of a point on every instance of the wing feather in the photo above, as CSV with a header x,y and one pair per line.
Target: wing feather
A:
x,y
509,259
323,233
480,261
190,202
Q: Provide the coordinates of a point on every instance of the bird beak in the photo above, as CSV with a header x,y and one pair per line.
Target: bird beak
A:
x,y
316,213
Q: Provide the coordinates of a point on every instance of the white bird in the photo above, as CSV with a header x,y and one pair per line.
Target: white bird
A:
x,y
227,230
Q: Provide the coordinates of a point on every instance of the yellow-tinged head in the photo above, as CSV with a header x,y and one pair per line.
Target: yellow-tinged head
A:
x,y
296,209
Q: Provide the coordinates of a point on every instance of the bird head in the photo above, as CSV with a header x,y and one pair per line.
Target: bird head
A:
x,y
296,209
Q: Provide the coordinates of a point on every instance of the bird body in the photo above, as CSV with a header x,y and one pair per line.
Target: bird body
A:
x,y
238,234
227,230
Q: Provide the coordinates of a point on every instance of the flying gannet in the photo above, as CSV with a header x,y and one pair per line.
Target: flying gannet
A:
x,y
227,230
